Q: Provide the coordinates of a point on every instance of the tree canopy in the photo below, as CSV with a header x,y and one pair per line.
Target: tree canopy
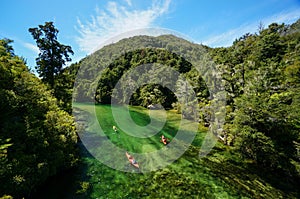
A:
x,y
37,138
263,93
53,55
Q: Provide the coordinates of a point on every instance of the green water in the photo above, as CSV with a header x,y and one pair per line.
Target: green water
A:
x,y
218,175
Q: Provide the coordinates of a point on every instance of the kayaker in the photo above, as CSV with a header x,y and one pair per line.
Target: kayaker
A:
x,y
164,139
132,160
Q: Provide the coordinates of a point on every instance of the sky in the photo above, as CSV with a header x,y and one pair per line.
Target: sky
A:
x,y
86,24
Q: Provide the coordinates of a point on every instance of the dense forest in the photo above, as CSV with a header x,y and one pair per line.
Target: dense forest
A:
x,y
38,138
262,82
260,73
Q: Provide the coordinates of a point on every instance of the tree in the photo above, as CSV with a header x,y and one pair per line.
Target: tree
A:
x,y
148,93
261,74
53,55
5,47
37,138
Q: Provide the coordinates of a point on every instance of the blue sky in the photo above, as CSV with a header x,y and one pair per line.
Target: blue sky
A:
x,y
85,24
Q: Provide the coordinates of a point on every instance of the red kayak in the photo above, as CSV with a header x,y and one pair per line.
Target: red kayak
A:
x,y
132,160
164,140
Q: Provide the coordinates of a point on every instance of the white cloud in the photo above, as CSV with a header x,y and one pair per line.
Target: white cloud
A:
x,y
31,47
117,19
227,38
283,17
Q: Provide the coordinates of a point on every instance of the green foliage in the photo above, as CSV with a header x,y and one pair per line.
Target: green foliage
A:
x,y
262,80
6,197
37,139
149,93
53,55
104,68
270,44
84,188
5,47
63,88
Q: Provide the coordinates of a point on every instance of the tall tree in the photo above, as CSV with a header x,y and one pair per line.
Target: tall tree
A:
x,y
53,55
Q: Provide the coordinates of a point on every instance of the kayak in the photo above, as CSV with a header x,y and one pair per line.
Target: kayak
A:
x,y
164,140
132,161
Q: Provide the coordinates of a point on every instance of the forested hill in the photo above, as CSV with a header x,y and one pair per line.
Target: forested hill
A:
x,y
115,59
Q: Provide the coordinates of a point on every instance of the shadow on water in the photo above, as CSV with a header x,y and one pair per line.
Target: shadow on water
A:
x,y
67,184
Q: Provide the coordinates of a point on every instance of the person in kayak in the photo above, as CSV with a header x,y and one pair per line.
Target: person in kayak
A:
x,y
164,140
132,160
